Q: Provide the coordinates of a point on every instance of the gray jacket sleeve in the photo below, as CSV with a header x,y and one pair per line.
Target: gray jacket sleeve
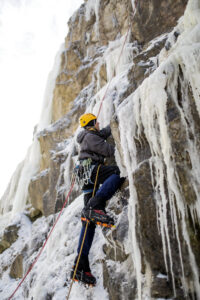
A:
x,y
105,132
98,145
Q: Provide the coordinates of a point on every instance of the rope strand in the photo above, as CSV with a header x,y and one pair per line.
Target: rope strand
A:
x,y
41,250
86,227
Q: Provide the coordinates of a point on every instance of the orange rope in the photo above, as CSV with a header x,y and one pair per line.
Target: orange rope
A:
x,y
86,227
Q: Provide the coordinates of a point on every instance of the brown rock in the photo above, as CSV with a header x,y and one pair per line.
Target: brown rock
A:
x,y
153,12
50,197
116,135
114,19
4,245
16,270
102,76
33,213
68,87
73,59
64,94
37,187
9,237
11,234
161,286
179,142
145,63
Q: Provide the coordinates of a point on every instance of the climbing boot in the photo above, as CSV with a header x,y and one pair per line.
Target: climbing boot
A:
x,y
83,272
83,276
98,216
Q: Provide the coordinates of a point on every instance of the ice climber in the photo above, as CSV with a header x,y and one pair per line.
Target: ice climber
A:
x,y
93,150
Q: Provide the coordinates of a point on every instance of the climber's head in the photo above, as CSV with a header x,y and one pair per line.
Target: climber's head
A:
x,y
88,120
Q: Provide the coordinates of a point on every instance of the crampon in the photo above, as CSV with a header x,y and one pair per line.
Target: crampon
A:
x,y
86,278
99,217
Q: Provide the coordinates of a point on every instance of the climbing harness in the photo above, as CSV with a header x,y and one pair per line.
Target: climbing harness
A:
x,y
83,171
86,227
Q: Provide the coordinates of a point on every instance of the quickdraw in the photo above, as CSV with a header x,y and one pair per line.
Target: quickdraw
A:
x,y
83,171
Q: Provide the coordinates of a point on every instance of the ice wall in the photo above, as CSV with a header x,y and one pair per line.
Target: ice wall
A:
x,y
117,67
146,111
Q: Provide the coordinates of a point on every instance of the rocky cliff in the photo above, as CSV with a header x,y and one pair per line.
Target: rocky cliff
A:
x,y
140,61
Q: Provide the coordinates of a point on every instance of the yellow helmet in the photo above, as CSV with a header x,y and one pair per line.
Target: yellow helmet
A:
x,y
86,118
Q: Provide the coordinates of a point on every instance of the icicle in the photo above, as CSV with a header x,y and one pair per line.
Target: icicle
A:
x,y
15,197
115,64
31,166
68,164
93,5
46,114
6,201
146,110
124,115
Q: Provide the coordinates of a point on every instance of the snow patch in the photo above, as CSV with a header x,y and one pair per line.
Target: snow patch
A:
x,y
51,273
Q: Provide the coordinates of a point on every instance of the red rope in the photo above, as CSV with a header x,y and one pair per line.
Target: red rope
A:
x,y
37,257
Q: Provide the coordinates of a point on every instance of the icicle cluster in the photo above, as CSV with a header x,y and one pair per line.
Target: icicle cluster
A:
x,y
146,111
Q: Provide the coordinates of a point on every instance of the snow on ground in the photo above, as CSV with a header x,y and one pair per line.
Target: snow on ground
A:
x,y
50,275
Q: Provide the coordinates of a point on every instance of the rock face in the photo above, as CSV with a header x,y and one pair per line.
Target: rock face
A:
x,y
16,270
82,73
9,237
151,13
152,104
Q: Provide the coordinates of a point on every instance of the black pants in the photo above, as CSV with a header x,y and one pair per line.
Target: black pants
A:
x,y
109,177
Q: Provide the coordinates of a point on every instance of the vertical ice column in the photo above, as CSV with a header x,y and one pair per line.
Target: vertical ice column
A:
x,y
46,114
93,5
116,60
31,166
117,64
147,111
7,199
17,193
127,132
